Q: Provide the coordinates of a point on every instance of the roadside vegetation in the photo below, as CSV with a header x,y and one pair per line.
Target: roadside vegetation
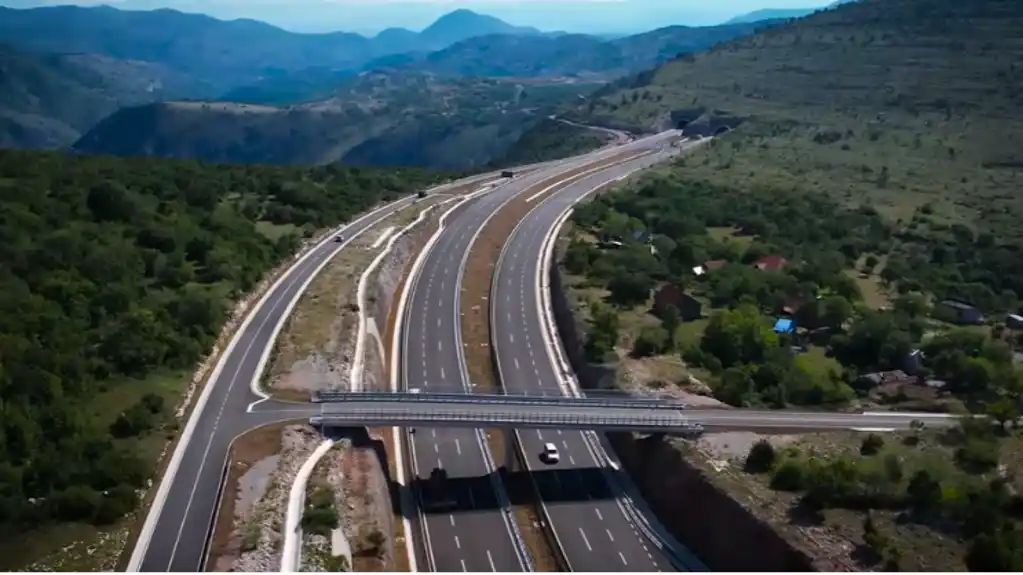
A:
x,y
707,242
890,103
864,175
549,140
118,276
914,501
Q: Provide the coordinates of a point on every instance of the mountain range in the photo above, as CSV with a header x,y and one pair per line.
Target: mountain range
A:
x,y
224,54
67,68
780,13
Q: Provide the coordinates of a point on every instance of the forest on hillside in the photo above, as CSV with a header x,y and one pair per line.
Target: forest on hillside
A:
x,y
113,271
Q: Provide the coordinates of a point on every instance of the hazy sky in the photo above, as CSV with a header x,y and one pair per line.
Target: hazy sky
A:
x,y
595,16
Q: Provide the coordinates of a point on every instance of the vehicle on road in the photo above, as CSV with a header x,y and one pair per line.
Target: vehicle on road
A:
x,y
338,239
507,174
550,454
692,431
438,496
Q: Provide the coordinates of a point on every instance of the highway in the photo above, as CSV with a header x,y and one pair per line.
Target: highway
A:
x,y
481,536
176,531
177,528
596,535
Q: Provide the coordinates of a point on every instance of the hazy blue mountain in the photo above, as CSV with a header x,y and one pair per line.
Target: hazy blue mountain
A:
x,y
224,54
463,24
771,14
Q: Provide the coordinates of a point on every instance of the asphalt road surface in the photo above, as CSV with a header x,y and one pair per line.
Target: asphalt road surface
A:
x,y
594,532
477,535
183,523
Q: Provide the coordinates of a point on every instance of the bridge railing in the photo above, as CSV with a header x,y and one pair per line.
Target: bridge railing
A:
x,y
628,402
440,417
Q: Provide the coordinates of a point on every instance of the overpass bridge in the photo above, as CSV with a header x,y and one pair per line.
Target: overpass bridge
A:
x,y
409,409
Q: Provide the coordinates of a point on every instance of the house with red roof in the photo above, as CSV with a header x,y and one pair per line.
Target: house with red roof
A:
x,y
771,263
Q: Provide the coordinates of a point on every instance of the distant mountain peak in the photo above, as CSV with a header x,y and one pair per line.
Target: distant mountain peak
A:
x,y
463,23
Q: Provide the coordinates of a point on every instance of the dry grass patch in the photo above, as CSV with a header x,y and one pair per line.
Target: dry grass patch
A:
x,y
314,349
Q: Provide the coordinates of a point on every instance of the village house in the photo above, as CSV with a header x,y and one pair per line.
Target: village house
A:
x,y
689,308
771,263
958,312
872,380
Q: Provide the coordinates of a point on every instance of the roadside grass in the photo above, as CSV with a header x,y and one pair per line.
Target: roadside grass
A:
x,y
274,231
325,317
817,362
871,287
922,547
730,235
82,547
855,104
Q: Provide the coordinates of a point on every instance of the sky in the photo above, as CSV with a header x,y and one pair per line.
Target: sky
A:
x,y
371,16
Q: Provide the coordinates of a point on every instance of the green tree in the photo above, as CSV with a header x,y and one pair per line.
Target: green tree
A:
x,y
875,540
652,340
671,319
871,444
629,289
789,476
738,336
761,457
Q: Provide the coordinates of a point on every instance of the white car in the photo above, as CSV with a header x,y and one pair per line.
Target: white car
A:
x,y
550,453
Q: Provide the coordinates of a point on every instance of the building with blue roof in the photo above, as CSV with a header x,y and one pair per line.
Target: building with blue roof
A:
x,y
784,325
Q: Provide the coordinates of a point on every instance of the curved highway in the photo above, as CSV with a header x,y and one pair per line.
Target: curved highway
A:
x,y
595,533
175,534
477,534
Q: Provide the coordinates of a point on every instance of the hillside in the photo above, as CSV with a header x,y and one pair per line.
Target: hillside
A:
x,y
222,54
771,14
118,275
376,119
463,24
887,102
569,54
48,101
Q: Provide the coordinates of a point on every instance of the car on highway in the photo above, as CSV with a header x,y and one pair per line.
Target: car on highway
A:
x,y
550,454
339,238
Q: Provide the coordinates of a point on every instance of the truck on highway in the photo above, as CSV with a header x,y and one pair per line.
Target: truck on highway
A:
x,y
438,496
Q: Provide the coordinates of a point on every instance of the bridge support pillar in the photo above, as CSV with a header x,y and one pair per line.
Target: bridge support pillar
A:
x,y
511,461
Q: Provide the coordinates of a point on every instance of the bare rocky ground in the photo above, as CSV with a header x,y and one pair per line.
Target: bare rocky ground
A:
x,y
252,542
327,313
355,474
315,349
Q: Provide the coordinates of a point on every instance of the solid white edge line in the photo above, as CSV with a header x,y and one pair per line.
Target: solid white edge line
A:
x,y
162,492
356,371
291,552
495,281
564,372
398,337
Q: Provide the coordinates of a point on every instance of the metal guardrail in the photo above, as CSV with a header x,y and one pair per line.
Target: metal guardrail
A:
x,y
504,418
498,399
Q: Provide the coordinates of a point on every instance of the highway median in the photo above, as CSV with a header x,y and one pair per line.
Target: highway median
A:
x,y
475,329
